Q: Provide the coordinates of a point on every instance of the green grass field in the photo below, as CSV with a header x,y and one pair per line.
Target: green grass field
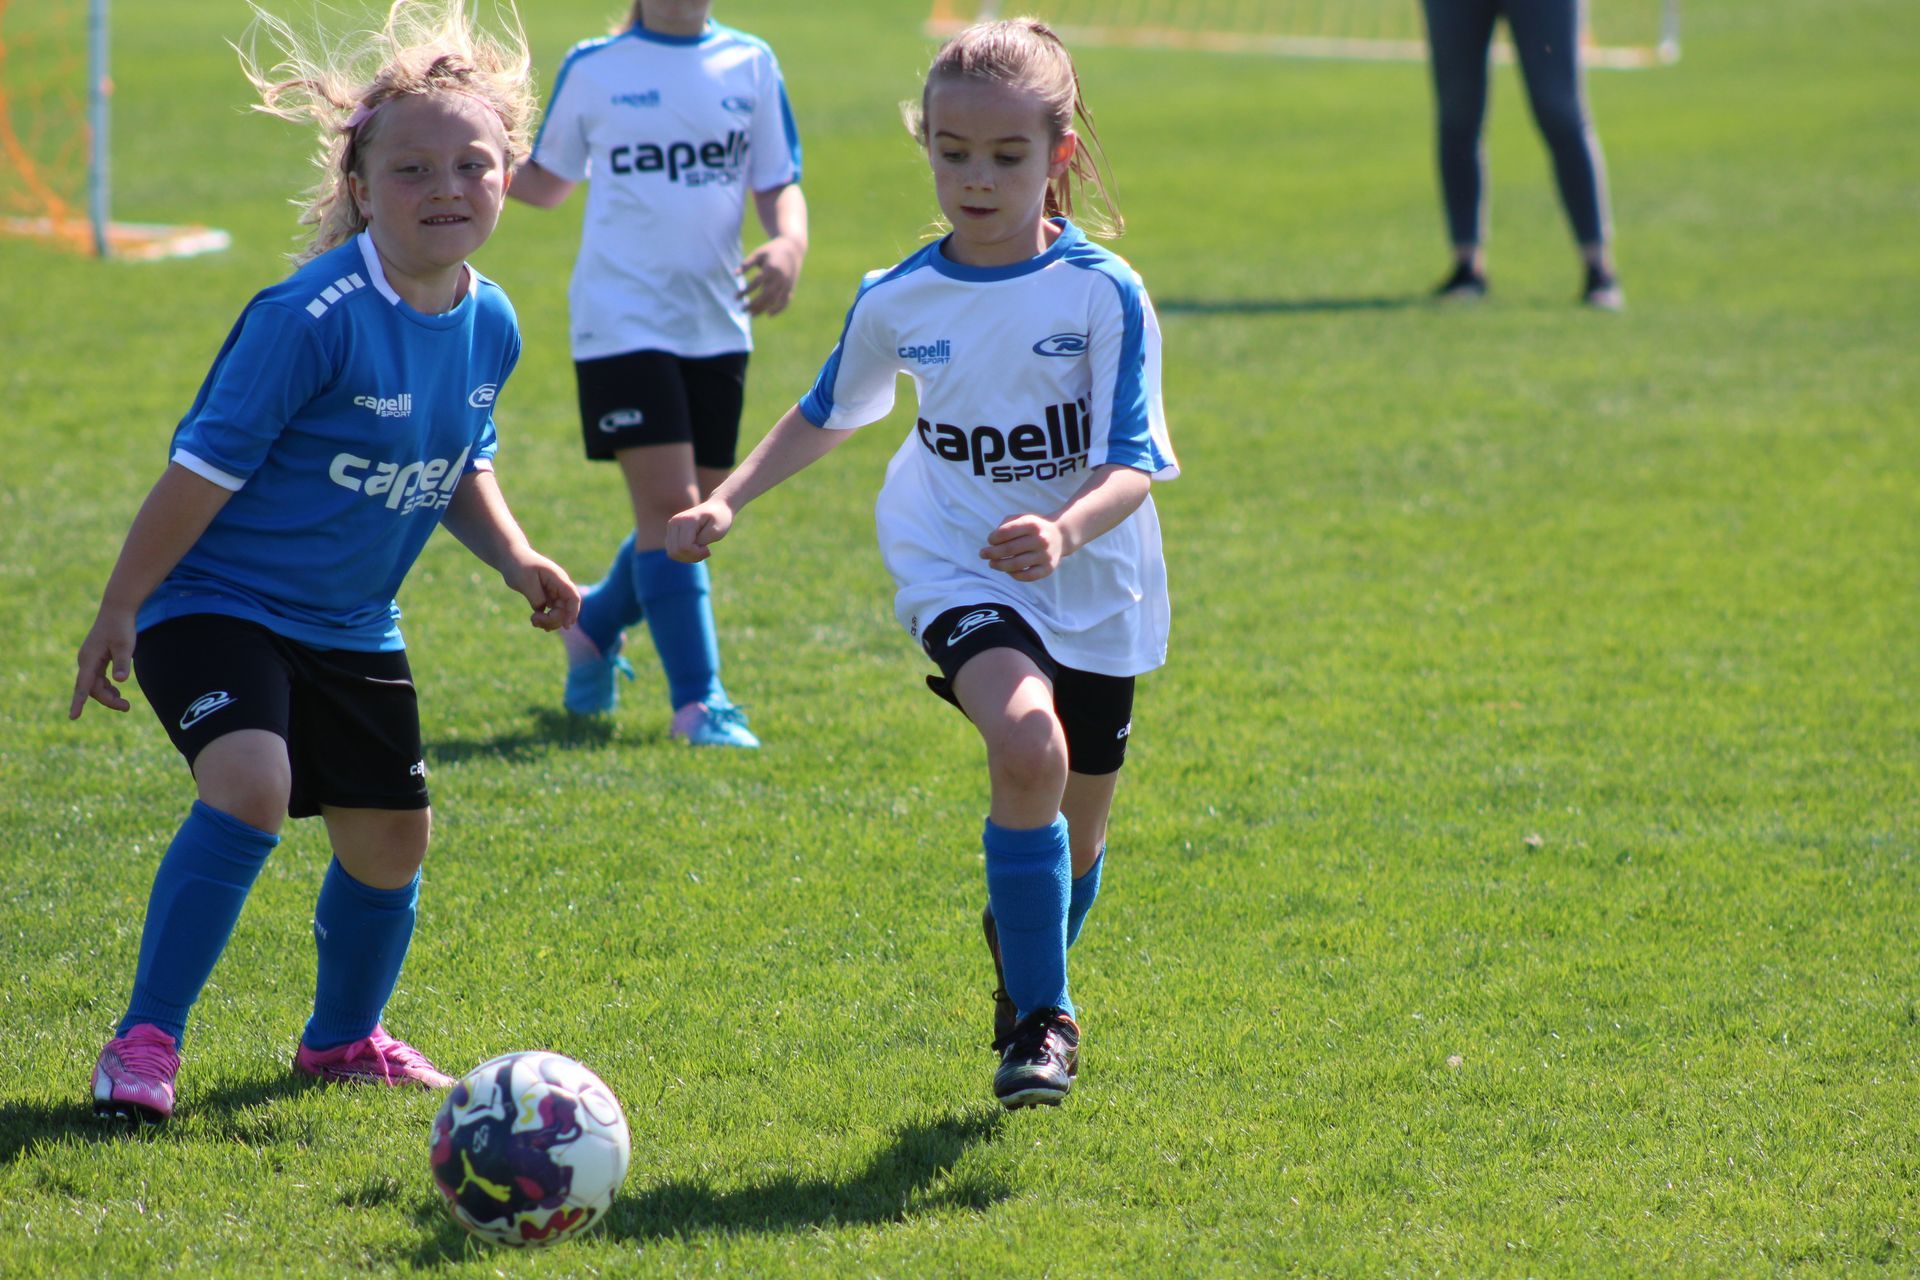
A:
x,y
1514,873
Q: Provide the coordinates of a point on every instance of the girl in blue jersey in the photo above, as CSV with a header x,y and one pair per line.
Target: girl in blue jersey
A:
x,y
348,413
672,121
1015,518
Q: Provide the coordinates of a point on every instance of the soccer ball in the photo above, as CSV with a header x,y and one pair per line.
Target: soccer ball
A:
x,y
529,1148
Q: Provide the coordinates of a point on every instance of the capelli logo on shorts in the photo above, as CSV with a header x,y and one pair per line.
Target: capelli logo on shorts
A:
x,y
620,420
971,623
1062,344
419,769
203,706
1125,729
481,397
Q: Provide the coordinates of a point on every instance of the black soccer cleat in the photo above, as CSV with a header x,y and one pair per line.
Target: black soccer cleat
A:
x,y
1004,1013
1038,1060
1466,284
1602,291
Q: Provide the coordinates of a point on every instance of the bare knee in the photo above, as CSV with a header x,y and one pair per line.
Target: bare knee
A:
x,y
383,848
246,775
1028,754
661,497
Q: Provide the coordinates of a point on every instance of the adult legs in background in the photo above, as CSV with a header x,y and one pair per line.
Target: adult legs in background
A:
x,y
1459,40
1546,36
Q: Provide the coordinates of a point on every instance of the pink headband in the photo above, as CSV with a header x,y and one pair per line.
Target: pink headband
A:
x,y
363,113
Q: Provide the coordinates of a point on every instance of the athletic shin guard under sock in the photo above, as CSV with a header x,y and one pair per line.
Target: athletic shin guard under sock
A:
x,y
612,604
677,601
361,934
202,883
1027,877
1084,890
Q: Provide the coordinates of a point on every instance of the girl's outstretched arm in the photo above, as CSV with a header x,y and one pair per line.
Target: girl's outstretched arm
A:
x,y
793,445
478,516
177,511
541,188
1029,547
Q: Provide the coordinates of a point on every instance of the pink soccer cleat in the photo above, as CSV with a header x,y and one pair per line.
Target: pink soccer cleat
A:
x,y
379,1059
133,1079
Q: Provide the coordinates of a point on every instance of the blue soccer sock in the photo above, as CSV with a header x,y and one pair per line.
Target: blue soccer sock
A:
x,y
1085,889
1027,877
361,934
611,605
198,891
679,613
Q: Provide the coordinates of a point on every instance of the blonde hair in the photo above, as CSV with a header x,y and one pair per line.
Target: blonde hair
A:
x,y
1025,53
423,46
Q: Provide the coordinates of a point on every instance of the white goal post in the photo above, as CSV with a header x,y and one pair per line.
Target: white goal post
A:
x,y
56,93
1621,33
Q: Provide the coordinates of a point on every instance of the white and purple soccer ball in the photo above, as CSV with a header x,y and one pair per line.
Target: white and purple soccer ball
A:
x,y
529,1148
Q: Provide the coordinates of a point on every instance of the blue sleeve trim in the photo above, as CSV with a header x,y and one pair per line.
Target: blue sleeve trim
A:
x,y
817,405
786,117
1130,432
574,55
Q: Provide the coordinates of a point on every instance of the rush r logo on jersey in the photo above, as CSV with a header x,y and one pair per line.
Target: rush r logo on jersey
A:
x,y
1062,344
481,397
1026,452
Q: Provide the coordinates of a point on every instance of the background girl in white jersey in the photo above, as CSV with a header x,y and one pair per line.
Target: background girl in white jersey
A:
x,y
348,414
1015,519
673,120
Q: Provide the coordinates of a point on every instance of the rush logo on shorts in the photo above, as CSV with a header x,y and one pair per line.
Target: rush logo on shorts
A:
x,y
203,706
1026,452
972,622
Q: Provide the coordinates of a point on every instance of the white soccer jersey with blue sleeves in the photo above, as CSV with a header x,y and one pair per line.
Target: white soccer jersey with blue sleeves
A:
x,y
343,420
1029,376
670,133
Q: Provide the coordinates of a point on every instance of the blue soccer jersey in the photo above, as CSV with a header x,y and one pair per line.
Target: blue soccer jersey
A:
x,y
1029,376
342,419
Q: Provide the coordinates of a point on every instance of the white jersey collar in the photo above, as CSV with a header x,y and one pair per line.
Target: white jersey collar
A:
x,y
377,273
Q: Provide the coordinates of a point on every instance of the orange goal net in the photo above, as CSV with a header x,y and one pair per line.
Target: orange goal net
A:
x,y
55,94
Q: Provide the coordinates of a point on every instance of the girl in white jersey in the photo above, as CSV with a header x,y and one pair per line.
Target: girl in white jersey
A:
x,y
348,414
1015,518
671,121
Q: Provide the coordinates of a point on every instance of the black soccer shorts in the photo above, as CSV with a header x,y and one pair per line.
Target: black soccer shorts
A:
x,y
350,719
653,397
1095,711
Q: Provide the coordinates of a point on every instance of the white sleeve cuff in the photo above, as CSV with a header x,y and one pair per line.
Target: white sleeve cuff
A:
x,y
207,471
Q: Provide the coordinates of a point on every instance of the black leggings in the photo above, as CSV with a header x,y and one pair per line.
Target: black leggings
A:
x,y
1546,35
